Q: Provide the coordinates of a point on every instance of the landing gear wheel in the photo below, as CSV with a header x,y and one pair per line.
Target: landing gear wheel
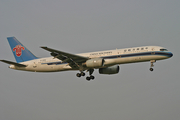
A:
x,y
88,78
92,77
78,75
151,69
82,74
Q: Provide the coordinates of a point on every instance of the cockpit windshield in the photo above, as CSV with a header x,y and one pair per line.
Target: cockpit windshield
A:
x,y
163,50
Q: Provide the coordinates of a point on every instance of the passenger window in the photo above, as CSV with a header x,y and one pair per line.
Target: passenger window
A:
x,y
129,50
133,49
146,47
137,48
142,48
125,50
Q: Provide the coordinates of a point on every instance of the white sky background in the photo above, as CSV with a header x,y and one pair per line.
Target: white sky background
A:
x,y
78,26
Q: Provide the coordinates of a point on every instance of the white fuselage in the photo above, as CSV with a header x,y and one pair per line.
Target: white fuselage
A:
x,y
111,57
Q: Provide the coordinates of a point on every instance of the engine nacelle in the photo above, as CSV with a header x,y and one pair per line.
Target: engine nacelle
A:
x,y
95,63
109,70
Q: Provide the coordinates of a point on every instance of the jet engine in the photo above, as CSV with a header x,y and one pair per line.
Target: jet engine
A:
x,y
109,70
95,63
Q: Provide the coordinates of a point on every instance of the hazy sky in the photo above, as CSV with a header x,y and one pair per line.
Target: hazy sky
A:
x,y
78,26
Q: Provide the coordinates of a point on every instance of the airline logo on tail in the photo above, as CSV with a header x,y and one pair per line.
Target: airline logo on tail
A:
x,y
18,49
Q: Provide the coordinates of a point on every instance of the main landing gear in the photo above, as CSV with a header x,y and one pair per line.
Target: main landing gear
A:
x,y
91,77
88,78
152,65
80,74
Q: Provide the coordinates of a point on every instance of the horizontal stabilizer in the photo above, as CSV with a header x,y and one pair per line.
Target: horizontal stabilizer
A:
x,y
13,63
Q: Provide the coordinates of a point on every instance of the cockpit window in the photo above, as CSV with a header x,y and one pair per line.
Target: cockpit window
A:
x,y
163,50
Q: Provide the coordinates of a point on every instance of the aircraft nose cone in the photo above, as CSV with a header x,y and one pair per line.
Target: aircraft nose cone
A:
x,y
170,54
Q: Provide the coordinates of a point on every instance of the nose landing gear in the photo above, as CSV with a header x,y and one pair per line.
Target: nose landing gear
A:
x,y
152,65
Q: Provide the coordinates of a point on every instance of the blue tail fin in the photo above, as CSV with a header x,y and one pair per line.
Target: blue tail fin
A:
x,y
21,53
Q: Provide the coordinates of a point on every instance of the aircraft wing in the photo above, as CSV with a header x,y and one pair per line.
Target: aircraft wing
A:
x,y
72,59
13,63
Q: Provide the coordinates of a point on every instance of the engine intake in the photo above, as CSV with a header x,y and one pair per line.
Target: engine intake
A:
x,y
95,63
109,70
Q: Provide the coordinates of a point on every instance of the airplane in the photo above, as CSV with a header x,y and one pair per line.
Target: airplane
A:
x,y
106,61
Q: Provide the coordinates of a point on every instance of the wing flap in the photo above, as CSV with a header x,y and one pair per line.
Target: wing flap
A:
x,y
13,63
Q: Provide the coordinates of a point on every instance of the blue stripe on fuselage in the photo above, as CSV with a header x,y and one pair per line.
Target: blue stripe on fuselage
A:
x,y
168,54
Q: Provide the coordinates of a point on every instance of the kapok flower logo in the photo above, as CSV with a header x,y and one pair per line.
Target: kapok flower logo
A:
x,y
18,50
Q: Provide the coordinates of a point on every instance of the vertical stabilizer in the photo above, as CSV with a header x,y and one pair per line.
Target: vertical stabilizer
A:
x,y
21,53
